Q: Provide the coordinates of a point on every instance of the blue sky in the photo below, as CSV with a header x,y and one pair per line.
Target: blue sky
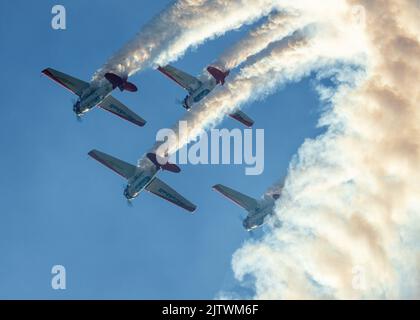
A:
x,y
57,206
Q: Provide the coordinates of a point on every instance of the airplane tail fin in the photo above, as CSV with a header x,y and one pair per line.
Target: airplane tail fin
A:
x,y
124,169
119,82
248,203
219,75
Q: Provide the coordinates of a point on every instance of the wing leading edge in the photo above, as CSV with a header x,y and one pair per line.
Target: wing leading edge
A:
x,y
185,80
161,189
248,203
116,107
73,84
123,168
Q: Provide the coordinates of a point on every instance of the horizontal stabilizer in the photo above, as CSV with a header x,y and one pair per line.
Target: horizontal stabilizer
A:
x,y
219,75
162,163
161,189
248,203
242,118
124,169
185,80
73,84
129,86
116,107
120,82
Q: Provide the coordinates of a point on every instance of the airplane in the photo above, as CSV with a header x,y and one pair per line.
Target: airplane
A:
x,y
97,95
258,210
199,88
143,177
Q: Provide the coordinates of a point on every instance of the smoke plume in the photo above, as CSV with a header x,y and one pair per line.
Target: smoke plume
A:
x,y
289,59
351,211
183,24
350,206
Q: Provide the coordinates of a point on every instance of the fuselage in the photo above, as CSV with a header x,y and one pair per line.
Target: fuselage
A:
x,y
198,94
92,96
257,217
145,173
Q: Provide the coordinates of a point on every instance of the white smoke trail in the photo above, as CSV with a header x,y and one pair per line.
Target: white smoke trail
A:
x,y
278,26
184,24
282,63
241,89
351,210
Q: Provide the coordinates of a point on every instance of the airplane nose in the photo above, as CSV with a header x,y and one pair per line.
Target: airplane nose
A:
x,y
127,194
76,108
185,104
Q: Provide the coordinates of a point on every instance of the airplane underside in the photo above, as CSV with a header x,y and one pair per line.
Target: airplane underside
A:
x,y
91,96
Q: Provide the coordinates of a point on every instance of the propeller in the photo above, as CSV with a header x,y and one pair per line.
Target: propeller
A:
x,y
181,103
129,201
78,116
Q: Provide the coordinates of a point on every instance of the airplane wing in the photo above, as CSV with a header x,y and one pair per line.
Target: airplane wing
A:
x,y
161,189
185,80
124,169
242,118
73,84
248,203
116,107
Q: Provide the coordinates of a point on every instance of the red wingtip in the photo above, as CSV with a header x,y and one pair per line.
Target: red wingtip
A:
x,y
49,74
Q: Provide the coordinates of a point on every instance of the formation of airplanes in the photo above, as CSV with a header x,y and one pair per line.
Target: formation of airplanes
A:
x,y
143,176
